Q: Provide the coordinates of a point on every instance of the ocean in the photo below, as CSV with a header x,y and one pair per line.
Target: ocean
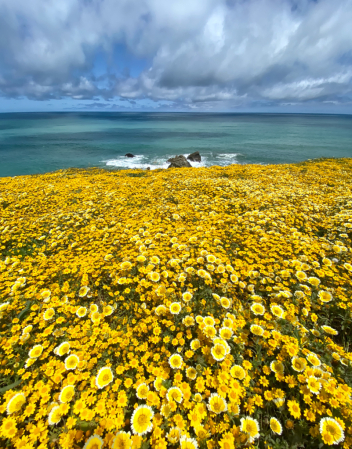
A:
x,y
43,142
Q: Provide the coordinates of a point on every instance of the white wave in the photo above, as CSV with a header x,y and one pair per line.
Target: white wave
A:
x,y
229,155
143,162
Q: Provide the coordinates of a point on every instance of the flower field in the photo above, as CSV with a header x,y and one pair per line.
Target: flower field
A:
x,y
187,308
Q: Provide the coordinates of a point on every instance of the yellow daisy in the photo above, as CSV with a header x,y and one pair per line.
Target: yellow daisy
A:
x,y
188,443
55,415
94,442
218,352
275,426
15,403
250,426
104,377
48,314
67,394
258,309
175,361
331,431
83,291
71,361
36,351
175,308
324,296
298,364
142,391
122,440
81,312
174,394
142,420
217,404
238,372
257,330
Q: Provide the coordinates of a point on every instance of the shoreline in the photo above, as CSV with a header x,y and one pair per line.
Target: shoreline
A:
x,y
320,159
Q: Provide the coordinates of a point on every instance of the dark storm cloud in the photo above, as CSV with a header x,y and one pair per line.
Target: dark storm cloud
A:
x,y
201,52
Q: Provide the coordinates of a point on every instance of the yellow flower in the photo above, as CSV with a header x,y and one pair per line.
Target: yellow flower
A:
x,y
294,409
175,361
225,333
313,359
195,344
313,384
122,440
35,352
95,317
331,431
48,314
15,403
174,394
175,308
257,330
142,391
104,377
191,373
174,435
250,426
298,364
218,352
209,321
301,276
279,402
141,259
217,404
71,362
225,302
277,367
314,281
209,331
126,265
187,296
238,372
94,442
83,291
154,276
188,321
141,420
258,309
275,426
329,330
277,310
45,294
55,415
67,394
81,312
62,349
188,443
324,296
27,329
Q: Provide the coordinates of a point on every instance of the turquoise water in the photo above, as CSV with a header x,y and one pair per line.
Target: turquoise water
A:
x,y
42,142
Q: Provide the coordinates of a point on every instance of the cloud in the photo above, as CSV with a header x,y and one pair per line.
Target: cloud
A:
x,y
199,53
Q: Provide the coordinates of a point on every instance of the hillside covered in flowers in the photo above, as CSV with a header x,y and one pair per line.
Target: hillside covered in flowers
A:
x,y
187,308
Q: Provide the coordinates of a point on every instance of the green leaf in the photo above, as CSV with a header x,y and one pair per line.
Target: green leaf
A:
x,y
11,386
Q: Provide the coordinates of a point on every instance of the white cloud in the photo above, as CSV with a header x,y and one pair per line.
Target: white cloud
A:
x,y
200,51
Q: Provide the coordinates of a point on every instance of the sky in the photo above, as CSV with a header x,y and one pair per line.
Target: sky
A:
x,y
176,55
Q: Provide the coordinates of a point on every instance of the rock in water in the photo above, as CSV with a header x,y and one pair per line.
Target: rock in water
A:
x,y
194,157
129,155
178,162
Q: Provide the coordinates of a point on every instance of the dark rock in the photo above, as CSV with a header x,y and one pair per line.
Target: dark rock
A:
x,y
129,155
194,157
178,162
148,168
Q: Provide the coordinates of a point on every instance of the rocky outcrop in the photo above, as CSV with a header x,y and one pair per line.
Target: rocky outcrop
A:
x,y
195,157
129,155
178,162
